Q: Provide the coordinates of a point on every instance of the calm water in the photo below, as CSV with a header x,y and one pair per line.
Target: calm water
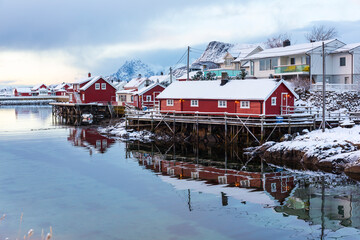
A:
x,y
87,186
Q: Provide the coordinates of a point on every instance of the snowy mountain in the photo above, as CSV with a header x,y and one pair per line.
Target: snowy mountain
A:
x,y
215,51
131,69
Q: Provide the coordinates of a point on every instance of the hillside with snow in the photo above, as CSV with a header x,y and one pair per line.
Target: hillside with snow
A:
x,y
131,69
215,51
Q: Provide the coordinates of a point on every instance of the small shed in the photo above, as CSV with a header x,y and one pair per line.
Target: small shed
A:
x,y
21,92
253,97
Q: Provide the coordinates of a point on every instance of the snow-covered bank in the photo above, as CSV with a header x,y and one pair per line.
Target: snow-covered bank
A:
x,y
124,134
335,150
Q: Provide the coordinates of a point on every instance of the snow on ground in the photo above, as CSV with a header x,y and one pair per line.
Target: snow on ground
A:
x,y
124,134
337,144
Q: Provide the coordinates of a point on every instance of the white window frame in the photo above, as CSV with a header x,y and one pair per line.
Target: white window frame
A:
x,y
170,102
222,103
103,86
244,104
273,101
194,103
148,98
97,86
83,96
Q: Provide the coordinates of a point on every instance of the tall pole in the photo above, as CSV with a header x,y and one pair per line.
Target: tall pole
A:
x,y
187,67
170,75
323,89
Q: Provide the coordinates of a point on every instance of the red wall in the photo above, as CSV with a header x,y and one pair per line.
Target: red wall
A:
x,y
155,90
232,106
275,110
92,95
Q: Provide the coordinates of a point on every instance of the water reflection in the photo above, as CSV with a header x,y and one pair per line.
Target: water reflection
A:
x,y
330,201
90,139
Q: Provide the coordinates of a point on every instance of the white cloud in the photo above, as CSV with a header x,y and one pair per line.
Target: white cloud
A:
x,y
29,68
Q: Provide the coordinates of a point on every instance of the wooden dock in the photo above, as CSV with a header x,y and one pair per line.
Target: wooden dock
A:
x,y
70,113
229,126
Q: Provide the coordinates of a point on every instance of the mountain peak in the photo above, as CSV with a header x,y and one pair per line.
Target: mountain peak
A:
x,y
131,69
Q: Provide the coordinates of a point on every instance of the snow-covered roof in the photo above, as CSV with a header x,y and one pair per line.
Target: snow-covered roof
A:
x,y
184,76
129,91
36,87
246,52
92,81
60,87
254,89
161,78
23,90
289,50
145,89
135,82
347,48
83,80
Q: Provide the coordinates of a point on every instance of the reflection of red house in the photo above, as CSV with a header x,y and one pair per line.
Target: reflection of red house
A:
x,y
278,185
92,89
243,97
90,139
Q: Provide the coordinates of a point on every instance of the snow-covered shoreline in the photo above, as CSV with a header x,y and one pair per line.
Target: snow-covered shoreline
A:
x,y
335,150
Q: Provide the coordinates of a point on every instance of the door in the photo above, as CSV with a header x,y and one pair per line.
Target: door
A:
x,y
284,103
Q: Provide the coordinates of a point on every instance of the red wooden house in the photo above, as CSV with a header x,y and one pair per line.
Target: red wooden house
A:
x,y
93,89
21,92
145,97
40,90
253,97
61,89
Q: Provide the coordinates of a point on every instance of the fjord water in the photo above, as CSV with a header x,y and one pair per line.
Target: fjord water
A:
x,y
88,186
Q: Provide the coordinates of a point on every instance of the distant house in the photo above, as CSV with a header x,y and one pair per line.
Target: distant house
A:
x,y
60,89
93,89
137,83
241,97
21,92
292,61
232,65
184,76
145,97
40,90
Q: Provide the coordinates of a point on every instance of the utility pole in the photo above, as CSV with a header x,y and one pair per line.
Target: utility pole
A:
x,y
323,88
187,67
170,75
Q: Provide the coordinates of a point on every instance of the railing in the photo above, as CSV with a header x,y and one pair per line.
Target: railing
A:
x,y
330,87
292,69
230,73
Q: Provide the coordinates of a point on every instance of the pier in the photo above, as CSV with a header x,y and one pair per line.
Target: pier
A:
x,y
229,127
70,113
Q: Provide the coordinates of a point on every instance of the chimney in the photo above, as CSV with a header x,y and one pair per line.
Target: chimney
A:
x,y
224,78
161,73
89,74
286,43
139,76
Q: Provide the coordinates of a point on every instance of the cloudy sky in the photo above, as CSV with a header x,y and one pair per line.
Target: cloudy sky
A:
x,y
51,41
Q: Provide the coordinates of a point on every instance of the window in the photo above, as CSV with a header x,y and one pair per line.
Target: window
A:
x,y
268,64
292,61
132,98
83,97
97,86
228,62
148,98
252,68
244,104
222,104
194,103
273,101
170,102
122,98
103,86
342,61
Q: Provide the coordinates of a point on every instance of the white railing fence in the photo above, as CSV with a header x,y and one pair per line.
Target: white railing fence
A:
x,y
330,87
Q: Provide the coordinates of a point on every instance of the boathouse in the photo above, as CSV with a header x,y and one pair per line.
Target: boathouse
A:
x,y
23,92
255,97
90,90
40,90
